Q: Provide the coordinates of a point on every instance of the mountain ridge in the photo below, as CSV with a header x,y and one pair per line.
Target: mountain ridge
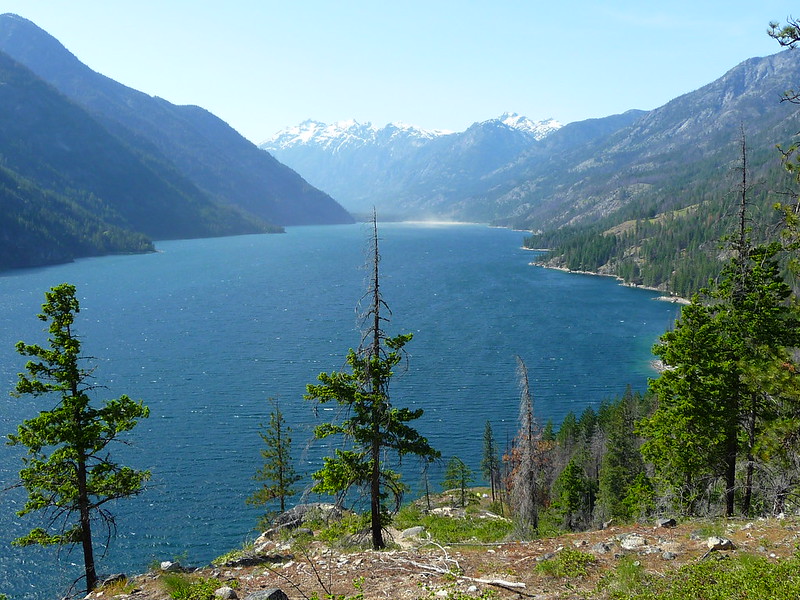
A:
x,y
402,169
202,147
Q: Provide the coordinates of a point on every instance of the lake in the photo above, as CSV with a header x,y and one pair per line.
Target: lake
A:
x,y
205,331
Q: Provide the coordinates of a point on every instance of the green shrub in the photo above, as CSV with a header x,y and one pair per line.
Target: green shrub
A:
x,y
745,577
183,587
453,593
340,530
235,554
448,530
567,563
627,578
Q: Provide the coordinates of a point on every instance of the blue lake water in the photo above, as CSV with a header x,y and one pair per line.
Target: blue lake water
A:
x,y
204,331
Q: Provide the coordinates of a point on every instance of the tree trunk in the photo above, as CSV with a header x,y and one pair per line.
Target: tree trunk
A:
x,y
375,496
751,440
86,527
730,474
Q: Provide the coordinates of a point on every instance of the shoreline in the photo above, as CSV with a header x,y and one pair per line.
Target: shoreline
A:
x,y
622,282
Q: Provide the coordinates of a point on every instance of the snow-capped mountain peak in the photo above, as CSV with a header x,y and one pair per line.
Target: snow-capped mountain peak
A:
x,y
321,134
344,134
538,129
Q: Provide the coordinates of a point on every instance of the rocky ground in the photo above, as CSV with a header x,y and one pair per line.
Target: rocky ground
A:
x,y
418,569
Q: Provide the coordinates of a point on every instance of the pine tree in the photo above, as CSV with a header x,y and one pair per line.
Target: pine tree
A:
x,y
571,497
278,471
374,425
68,473
621,463
458,476
490,463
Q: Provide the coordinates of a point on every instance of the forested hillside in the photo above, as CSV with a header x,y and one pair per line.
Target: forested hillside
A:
x,y
201,147
72,189
658,196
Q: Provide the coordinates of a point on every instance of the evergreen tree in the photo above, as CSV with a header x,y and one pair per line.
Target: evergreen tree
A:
x,y
458,476
68,472
621,462
711,400
278,470
572,497
490,463
374,424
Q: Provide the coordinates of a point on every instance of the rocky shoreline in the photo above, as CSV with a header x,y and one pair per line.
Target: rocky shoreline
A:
x,y
622,282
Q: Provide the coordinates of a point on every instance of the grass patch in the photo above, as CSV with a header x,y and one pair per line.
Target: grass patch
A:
x,y
185,587
448,530
745,577
342,531
453,593
235,554
627,578
567,563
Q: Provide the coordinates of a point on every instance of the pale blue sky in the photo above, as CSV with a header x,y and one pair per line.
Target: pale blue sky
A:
x,y
263,65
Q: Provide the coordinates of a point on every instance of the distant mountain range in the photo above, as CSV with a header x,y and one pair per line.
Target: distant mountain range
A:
x,y
581,185
401,169
90,166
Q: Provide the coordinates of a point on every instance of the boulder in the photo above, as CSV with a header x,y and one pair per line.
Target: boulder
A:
x,y
109,579
632,541
269,594
667,523
412,532
720,543
601,548
225,593
298,515
171,567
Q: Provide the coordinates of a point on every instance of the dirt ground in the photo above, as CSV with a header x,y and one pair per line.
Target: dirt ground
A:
x,y
419,569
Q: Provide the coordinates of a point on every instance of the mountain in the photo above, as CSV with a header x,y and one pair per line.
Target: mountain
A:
x,y
679,140
401,169
643,195
69,188
651,201
202,148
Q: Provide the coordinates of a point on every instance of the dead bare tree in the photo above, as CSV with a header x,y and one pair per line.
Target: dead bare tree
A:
x,y
523,492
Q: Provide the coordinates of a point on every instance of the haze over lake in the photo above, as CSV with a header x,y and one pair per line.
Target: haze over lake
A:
x,y
204,331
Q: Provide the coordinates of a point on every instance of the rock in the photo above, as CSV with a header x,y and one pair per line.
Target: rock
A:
x,y
297,515
472,589
171,567
632,541
548,556
667,523
226,593
601,548
448,511
669,555
109,579
412,532
270,594
720,543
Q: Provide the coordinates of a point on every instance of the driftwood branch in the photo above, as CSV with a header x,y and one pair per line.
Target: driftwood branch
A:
x,y
508,585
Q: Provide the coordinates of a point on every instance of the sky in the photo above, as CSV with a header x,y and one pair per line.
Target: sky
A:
x,y
264,65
